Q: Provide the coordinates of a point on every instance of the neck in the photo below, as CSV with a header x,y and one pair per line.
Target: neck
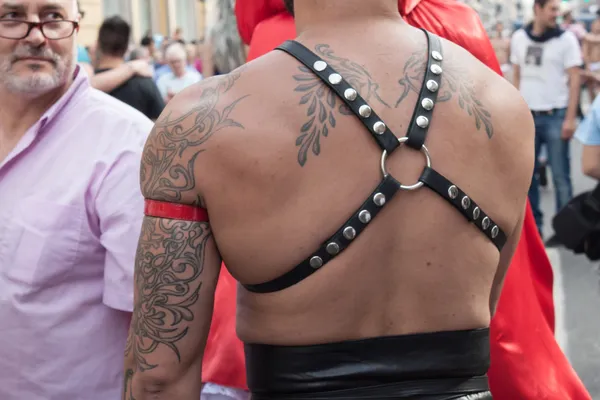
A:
x,y
317,14
20,112
538,28
109,62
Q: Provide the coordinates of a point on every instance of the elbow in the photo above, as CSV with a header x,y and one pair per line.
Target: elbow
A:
x,y
591,169
162,384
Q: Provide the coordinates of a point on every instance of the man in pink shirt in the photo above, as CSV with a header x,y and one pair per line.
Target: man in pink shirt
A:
x,y
70,212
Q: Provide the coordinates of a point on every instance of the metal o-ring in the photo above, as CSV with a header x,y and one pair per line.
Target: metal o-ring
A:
x,y
424,150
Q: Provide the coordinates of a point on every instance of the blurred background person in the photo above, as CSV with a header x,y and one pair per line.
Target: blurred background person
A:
x,y
501,43
180,75
570,24
588,133
591,58
546,65
224,50
139,92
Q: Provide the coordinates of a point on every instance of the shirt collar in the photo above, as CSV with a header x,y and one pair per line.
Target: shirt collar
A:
x,y
78,86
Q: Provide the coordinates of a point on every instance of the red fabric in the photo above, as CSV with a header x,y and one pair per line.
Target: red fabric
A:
x,y
224,362
527,363
163,209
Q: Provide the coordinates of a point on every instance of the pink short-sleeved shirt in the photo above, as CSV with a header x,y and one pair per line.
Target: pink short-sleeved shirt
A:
x,y
70,217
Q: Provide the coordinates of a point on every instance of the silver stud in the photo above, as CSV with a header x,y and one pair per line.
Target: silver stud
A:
x,y
495,231
316,262
335,79
379,127
320,65
485,223
350,94
423,122
364,216
476,213
436,69
465,202
333,248
349,233
379,199
453,192
365,111
427,104
432,86
437,56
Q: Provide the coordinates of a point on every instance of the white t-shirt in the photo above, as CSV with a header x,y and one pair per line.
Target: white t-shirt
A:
x,y
544,81
169,83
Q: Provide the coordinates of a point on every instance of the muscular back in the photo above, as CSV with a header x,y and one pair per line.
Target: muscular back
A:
x,y
280,164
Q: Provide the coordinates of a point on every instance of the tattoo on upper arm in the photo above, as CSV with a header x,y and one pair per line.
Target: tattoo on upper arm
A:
x,y
168,279
323,104
167,170
454,85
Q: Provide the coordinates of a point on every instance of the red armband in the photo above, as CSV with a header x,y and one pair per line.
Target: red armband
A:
x,y
163,209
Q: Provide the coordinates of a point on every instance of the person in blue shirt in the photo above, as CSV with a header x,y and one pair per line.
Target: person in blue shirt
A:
x,y
588,133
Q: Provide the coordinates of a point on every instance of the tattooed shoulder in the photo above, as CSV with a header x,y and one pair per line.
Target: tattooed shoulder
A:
x,y
179,137
456,86
321,103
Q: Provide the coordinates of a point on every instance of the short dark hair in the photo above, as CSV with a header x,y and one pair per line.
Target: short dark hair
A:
x,y
289,4
113,38
541,3
146,41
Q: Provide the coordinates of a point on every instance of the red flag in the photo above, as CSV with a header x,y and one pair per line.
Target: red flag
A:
x,y
527,363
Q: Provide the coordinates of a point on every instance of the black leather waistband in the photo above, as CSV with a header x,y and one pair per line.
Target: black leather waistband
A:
x,y
421,364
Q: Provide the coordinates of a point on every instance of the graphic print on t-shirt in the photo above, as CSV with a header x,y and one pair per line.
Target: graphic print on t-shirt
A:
x,y
534,55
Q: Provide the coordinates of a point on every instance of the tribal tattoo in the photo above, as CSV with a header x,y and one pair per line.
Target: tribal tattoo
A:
x,y
171,254
164,175
322,103
453,85
168,279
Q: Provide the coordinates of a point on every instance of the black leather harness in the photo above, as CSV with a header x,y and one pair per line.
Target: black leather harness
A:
x,y
388,142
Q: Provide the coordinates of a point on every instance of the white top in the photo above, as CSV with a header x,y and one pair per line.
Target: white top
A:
x,y
169,83
544,81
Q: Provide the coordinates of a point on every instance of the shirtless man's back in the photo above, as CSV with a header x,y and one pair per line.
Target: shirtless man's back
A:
x,y
269,163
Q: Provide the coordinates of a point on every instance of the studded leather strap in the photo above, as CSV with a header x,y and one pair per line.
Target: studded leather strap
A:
x,y
389,186
463,203
336,244
417,132
380,132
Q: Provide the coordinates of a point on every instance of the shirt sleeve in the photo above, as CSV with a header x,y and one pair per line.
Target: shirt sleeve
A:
x,y
572,55
588,131
156,103
120,209
514,49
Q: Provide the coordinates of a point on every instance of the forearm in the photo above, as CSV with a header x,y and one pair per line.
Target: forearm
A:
x,y
110,80
574,93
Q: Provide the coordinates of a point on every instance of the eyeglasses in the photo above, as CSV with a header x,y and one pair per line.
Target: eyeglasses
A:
x,y
52,30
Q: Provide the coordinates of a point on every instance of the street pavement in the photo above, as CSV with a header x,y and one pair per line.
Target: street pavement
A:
x,y
576,291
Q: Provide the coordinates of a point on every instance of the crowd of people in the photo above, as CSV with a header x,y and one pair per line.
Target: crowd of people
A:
x,y
151,217
555,62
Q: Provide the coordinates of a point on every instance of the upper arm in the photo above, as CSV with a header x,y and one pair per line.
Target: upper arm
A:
x,y
176,272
